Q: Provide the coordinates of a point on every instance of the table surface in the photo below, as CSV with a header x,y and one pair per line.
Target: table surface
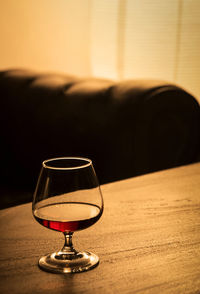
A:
x,y
148,241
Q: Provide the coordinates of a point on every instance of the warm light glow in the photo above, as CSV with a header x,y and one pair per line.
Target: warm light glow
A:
x,y
117,39
104,38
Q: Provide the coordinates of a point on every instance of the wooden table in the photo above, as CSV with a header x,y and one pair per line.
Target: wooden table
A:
x,y
148,240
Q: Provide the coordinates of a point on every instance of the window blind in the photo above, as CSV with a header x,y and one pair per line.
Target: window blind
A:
x,y
147,39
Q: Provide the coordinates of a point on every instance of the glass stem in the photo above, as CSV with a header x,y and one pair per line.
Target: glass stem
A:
x,y
68,245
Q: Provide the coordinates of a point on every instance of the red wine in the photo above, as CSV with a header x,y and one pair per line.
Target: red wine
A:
x,y
68,217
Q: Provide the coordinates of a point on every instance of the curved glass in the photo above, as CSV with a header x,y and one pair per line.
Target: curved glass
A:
x,y
67,199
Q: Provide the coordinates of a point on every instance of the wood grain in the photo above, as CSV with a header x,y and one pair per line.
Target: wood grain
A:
x,y
148,240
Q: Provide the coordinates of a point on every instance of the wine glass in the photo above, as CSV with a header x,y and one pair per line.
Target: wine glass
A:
x,y
67,199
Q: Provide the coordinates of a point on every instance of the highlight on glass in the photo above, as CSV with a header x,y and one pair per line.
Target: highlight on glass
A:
x,y
67,199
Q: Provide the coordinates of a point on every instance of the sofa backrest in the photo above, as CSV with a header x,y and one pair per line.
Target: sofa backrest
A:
x,y
127,128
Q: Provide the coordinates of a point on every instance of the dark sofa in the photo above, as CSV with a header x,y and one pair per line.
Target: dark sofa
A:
x,y
127,128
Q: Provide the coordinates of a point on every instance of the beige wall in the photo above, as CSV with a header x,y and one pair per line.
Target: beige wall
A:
x,y
45,34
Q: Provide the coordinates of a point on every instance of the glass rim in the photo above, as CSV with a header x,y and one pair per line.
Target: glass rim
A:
x,y
88,162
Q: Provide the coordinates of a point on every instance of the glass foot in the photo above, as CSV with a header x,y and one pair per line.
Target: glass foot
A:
x,y
68,263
